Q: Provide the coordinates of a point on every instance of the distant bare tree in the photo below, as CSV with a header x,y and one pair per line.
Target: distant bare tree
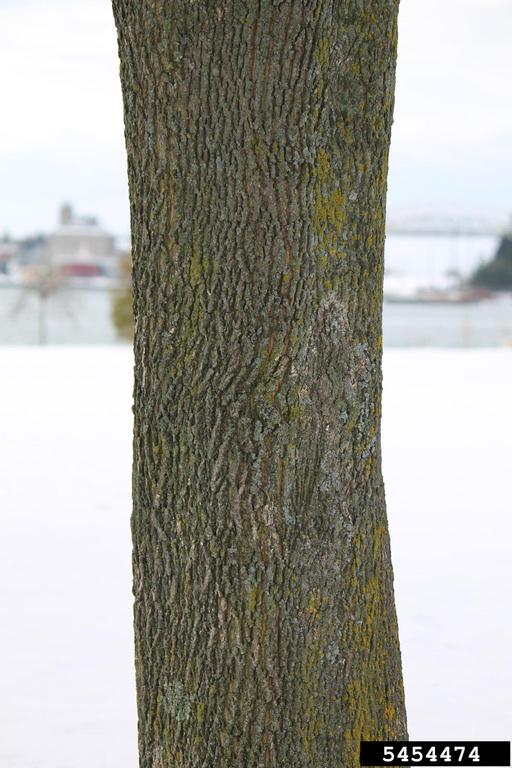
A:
x,y
122,303
45,282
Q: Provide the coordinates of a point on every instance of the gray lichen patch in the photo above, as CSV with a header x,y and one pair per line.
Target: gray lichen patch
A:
x,y
177,702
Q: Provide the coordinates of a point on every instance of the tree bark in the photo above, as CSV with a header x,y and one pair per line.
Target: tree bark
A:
x,y
257,135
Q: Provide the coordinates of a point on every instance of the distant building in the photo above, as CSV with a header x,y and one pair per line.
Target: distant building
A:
x,y
80,247
8,251
31,250
19,255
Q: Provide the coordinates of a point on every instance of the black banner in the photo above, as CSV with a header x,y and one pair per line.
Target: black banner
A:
x,y
465,753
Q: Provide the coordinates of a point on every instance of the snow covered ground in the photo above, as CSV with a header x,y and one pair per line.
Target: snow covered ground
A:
x,y
447,448
66,672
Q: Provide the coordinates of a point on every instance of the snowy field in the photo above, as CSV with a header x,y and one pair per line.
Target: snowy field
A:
x,y
66,672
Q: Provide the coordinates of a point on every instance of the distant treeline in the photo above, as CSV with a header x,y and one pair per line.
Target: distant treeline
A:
x,y
497,273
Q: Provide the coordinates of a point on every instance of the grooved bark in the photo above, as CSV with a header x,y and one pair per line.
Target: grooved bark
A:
x,y
257,136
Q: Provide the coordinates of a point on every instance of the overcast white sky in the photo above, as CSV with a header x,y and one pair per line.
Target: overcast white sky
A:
x,y
61,133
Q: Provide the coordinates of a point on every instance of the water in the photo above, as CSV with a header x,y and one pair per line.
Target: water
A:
x,y
78,316
486,324
424,261
83,316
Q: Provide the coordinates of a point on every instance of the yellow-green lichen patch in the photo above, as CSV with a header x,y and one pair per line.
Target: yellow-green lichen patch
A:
x,y
312,689
329,210
195,268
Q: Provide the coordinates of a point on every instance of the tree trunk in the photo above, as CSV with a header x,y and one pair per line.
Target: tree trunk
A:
x,y
257,136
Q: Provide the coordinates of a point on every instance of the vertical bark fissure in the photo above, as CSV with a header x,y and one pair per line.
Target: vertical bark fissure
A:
x,y
257,136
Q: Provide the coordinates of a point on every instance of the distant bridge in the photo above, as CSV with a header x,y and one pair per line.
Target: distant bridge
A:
x,y
442,225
